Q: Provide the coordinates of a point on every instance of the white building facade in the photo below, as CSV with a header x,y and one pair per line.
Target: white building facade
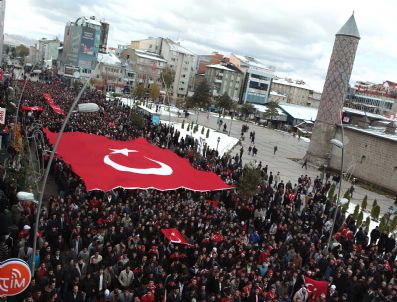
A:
x,y
257,79
222,79
180,59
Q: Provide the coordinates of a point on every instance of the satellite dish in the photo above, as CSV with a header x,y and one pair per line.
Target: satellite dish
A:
x,y
76,74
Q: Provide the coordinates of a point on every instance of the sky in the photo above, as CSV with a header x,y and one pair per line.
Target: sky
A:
x,y
295,37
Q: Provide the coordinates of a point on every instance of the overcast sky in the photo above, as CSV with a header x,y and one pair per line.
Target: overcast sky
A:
x,y
295,37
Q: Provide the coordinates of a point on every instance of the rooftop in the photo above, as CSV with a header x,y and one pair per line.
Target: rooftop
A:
x,y
178,48
376,131
149,55
219,66
250,61
293,83
108,59
349,28
300,112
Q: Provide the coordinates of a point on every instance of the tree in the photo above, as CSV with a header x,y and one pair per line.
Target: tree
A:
x,y
139,91
345,207
224,102
393,224
208,133
247,109
347,195
382,224
167,76
271,111
154,92
201,97
375,212
183,124
202,130
249,181
137,120
356,211
374,204
22,51
360,218
367,222
331,191
364,203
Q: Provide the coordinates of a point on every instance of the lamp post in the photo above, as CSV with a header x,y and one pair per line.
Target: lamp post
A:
x,y
231,122
340,145
217,145
87,108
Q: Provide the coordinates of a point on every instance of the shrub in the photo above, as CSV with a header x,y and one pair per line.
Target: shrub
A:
x,y
367,222
356,211
208,133
375,212
183,124
393,224
364,203
202,130
359,220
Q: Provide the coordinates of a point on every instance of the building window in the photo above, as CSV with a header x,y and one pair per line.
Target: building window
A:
x,y
259,86
260,77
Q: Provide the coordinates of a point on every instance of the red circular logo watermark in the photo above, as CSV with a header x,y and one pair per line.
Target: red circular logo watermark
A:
x,y
15,277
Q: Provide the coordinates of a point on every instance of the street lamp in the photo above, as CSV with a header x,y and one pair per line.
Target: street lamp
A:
x,y
54,149
231,122
87,108
217,145
26,196
340,145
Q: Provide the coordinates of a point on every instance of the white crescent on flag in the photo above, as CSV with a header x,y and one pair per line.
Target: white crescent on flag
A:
x,y
164,169
177,240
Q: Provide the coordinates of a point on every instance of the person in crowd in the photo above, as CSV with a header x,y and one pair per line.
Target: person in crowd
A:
x,y
108,246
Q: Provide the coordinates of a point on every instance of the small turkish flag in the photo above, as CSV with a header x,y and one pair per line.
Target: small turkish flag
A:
x,y
174,236
315,288
217,237
214,203
105,164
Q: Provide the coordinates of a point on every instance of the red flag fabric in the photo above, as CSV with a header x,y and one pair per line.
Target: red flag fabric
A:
x,y
214,203
174,236
1,74
105,164
315,288
50,101
32,108
217,238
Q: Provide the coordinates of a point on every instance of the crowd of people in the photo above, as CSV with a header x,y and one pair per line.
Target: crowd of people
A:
x,y
108,246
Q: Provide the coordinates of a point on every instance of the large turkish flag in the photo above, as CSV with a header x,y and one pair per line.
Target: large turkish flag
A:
x,y
315,288
105,164
174,236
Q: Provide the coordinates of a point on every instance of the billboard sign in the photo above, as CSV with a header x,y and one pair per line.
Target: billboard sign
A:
x,y
87,47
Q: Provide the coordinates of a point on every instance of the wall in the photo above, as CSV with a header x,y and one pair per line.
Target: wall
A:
x,y
373,158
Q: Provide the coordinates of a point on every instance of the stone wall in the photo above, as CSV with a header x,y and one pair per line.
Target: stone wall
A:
x,y
369,157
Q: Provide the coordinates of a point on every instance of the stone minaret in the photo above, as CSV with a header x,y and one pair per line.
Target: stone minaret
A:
x,y
334,91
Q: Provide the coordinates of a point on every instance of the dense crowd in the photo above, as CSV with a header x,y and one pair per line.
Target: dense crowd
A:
x,y
108,246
